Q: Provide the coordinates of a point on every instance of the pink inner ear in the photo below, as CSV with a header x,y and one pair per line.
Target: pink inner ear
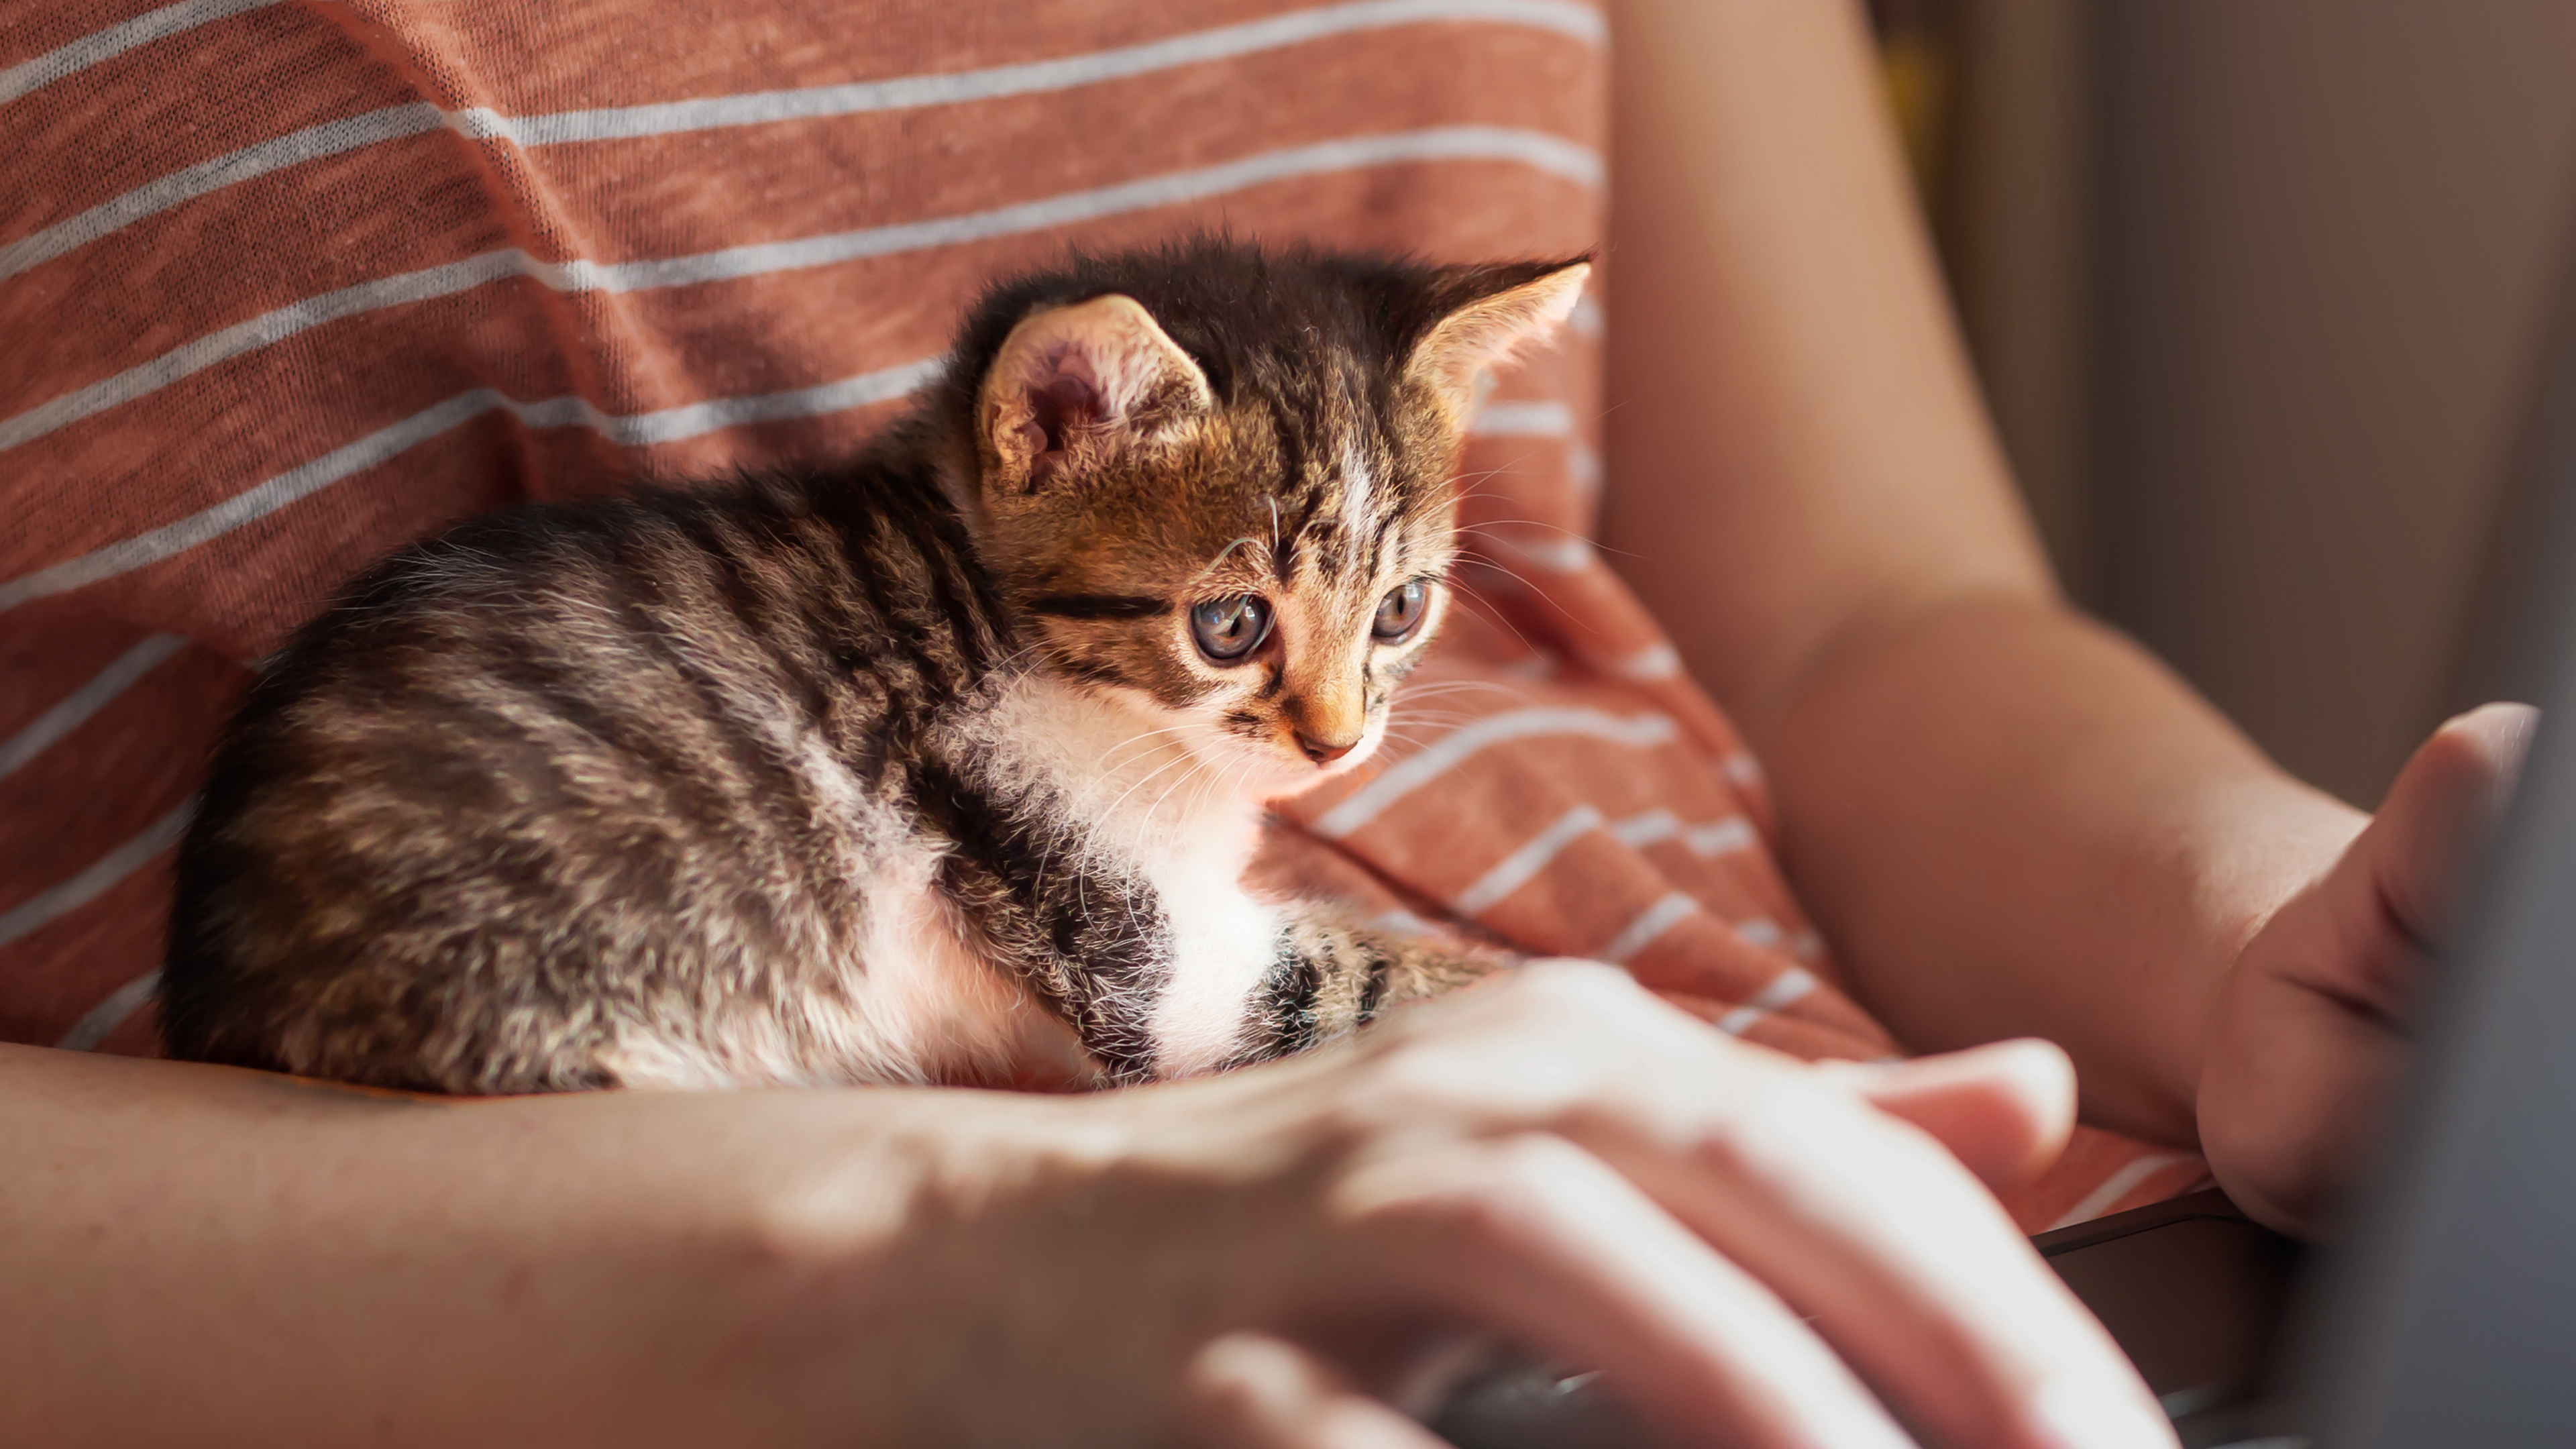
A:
x,y
1070,379
1057,407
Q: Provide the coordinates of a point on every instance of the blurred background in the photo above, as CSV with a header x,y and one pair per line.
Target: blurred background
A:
x,y
2256,292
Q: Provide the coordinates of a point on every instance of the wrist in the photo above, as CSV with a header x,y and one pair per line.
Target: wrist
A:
x,y
919,1273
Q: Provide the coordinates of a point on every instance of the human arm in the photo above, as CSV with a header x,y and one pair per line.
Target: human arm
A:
x,y
205,1256
2008,819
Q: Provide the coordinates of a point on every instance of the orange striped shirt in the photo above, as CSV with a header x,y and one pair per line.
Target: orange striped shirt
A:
x,y
284,286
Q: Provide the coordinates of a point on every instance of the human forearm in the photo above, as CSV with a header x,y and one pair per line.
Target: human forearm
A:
x,y
1794,441
2011,821
2007,819
201,1256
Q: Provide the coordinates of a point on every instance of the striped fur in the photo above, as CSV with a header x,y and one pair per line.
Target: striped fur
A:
x,y
903,772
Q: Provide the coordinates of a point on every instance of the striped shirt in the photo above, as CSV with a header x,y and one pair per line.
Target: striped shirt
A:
x,y
285,286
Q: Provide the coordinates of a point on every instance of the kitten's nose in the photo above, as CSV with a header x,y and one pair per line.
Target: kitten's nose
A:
x,y
1324,752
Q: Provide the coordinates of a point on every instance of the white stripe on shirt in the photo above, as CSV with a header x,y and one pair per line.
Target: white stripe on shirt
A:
x,y
102,876
1787,987
329,138
79,55
1649,926
1297,27
1537,149
634,429
1522,418
2117,1186
1717,837
110,1014
67,713
1569,553
710,113
1523,865
1638,731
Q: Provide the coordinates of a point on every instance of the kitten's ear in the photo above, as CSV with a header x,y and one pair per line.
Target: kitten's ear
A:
x,y
1073,383
1495,312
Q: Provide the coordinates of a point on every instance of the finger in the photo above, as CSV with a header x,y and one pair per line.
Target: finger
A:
x,y
1913,1272
2394,894
2004,1110
1252,1391
1542,1242
1863,1223
2443,808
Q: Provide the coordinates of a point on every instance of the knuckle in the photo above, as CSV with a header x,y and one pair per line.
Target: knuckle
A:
x,y
1520,1192
1484,1084
1570,1047
1494,1195
1532,1165
1421,1086
1787,1126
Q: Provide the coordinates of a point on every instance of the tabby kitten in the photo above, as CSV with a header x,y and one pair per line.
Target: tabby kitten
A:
x,y
942,767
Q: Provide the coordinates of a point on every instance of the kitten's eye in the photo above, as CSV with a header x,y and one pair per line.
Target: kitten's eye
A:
x,y
1401,611
1228,629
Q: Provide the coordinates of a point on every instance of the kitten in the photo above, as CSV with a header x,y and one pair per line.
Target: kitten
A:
x,y
942,767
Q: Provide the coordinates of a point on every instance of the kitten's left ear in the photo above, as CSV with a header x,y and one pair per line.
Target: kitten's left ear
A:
x,y
1072,384
1496,312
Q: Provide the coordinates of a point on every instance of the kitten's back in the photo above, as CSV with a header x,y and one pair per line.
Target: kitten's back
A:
x,y
552,774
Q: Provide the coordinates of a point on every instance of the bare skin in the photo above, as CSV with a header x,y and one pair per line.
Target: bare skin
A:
x,y
2010,821
1744,1238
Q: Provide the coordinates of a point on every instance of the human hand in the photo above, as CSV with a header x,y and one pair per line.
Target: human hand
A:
x,y
1759,1252
2311,1021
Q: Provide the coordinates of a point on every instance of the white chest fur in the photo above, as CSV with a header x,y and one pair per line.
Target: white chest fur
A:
x,y
1160,815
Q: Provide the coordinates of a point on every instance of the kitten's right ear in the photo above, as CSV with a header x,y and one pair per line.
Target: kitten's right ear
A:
x,y
1494,313
1073,384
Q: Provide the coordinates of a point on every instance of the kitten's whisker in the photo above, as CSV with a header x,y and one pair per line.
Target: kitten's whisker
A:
x,y
1458,495
1421,709
1529,586
1140,735
1148,818
1490,524
1234,782
1480,601
1110,814
1121,753
1443,720
1434,688
1151,776
1200,797
1513,466
1510,465
1493,529
1145,821
1111,761
1223,553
